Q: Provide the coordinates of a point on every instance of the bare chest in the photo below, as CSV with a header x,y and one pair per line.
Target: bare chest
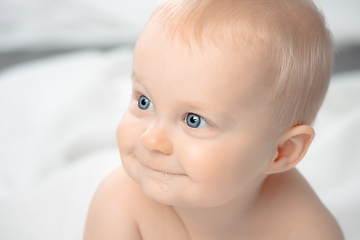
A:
x,y
162,223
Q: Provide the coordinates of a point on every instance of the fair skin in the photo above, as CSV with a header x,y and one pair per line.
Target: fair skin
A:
x,y
197,162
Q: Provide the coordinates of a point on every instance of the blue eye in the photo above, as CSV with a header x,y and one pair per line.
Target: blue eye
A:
x,y
195,121
145,104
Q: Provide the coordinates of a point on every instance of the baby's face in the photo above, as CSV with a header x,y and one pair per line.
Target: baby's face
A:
x,y
195,131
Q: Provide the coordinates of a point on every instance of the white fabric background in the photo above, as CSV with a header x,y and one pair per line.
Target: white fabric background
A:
x,y
57,139
47,24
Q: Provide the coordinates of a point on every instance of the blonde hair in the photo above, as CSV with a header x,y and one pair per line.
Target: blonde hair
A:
x,y
292,34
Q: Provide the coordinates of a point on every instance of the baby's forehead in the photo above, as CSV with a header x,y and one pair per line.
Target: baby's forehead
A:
x,y
211,56
210,75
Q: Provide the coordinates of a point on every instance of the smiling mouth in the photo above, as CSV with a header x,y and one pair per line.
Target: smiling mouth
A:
x,y
170,174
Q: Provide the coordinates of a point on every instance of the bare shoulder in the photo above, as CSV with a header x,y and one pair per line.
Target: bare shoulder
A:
x,y
112,210
300,210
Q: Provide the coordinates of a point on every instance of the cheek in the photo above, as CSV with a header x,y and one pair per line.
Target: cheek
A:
x,y
214,173
127,134
209,158
221,165
210,165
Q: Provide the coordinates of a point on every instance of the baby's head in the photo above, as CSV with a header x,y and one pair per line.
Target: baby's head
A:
x,y
289,37
223,95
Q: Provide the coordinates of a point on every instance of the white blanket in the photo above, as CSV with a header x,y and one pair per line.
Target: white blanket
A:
x,y
58,119
39,24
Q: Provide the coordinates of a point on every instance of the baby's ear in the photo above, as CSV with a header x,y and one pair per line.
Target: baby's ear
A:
x,y
292,147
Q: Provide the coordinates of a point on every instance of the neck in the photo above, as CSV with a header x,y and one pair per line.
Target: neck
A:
x,y
224,221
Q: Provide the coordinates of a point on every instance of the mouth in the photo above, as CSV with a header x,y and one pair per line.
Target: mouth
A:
x,y
167,173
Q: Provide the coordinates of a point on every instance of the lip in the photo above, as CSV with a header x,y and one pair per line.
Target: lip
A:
x,y
168,173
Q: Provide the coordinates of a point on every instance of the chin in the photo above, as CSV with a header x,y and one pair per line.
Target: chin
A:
x,y
154,192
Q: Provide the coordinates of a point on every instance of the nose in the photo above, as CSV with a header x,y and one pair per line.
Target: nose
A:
x,y
156,138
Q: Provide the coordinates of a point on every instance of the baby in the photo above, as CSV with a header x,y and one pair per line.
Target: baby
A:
x,y
224,95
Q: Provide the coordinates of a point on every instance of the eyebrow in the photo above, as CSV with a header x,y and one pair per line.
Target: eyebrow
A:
x,y
135,77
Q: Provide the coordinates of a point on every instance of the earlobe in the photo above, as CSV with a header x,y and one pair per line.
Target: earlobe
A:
x,y
291,148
